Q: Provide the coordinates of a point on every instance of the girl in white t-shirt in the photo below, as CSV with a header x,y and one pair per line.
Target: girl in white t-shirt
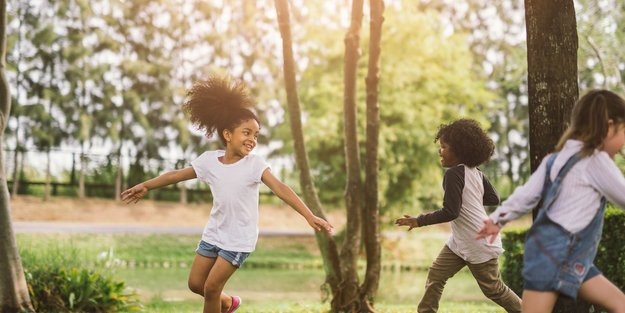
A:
x,y
573,185
219,105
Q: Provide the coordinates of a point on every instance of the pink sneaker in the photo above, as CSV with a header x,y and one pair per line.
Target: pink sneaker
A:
x,y
236,302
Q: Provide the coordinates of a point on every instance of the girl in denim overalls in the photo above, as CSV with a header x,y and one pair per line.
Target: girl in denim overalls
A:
x,y
573,184
218,105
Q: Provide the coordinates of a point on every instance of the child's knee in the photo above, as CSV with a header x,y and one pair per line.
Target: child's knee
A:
x,y
212,289
196,287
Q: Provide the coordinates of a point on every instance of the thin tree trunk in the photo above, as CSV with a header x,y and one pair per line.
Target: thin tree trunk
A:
x,y
326,243
370,217
81,175
46,188
16,166
353,189
119,176
13,289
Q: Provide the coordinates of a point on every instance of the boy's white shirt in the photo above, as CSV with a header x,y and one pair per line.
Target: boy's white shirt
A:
x,y
581,191
233,221
462,240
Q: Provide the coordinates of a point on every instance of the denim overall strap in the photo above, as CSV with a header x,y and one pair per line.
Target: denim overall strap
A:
x,y
552,188
556,259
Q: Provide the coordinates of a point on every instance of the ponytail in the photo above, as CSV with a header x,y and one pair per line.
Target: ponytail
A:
x,y
218,103
590,119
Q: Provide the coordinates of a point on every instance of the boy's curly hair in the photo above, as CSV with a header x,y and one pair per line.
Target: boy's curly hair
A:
x,y
218,103
467,141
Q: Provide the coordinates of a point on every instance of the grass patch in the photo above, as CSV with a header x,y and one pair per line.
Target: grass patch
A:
x,y
263,287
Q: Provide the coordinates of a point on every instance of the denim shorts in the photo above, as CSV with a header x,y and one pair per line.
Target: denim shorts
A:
x,y
211,251
550,265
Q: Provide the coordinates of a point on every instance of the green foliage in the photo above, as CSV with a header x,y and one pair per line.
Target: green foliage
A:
x,y
55,288
58,280
419,89
513,241
610,256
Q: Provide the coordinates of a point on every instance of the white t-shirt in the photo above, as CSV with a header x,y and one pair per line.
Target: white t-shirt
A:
x,y
233,221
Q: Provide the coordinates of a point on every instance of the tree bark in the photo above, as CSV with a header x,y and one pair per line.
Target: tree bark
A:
x,y
370,216
353,189
81,175
14,295
552,83
552,72
326,243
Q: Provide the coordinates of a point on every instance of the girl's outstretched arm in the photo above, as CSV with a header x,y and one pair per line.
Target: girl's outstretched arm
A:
x,y
488,231
134,194
289,196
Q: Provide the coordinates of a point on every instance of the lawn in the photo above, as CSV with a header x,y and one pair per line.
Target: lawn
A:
x,y
283,275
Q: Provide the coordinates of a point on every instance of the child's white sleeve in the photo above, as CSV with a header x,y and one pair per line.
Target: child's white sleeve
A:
x,y
523,199
607,178
201,166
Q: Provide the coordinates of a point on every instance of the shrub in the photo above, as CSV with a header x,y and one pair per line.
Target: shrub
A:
x,y
59,289
610,255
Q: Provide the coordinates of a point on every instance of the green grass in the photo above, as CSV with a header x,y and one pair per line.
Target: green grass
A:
x,y
157,267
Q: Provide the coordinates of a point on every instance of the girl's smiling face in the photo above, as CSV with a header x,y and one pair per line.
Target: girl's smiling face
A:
x,y
243,139
448,158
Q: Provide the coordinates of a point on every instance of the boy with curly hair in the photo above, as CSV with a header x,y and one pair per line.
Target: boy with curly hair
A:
x,y
464,146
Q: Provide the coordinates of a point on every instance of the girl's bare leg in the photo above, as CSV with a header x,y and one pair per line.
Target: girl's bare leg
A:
x,y
538,301
197,278
214,284
599,290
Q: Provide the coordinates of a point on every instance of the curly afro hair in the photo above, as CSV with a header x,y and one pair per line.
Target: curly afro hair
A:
x,y
467,141
218,103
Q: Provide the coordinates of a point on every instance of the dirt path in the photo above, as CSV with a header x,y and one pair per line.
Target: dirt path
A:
x,y
147,213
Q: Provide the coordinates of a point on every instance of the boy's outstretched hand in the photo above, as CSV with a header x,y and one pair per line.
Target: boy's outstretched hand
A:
x,y
134,194
318,224
407,220
489,229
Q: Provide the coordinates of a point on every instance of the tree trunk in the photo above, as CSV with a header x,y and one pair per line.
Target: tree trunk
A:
x,y
326,243
81,176
13,289
552,81
46,187
552,72
353,189
370,216
119,176
16,167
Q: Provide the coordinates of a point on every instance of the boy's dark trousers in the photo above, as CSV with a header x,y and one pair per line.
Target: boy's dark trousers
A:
x,y
487,275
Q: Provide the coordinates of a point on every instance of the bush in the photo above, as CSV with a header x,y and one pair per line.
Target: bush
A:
x,y
58,289
610,255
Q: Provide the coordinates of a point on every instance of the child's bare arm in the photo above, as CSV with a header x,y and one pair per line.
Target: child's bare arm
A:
x,y
289,196
134,194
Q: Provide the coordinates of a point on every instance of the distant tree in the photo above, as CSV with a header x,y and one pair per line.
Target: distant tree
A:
x,y
14,296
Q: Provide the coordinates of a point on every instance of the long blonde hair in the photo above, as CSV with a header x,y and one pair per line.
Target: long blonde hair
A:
x,y
590,117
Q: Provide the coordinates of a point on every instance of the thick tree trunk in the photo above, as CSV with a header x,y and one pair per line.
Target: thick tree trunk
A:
x,y
552,82
326,243
353,189
552,72
370,217
13,289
